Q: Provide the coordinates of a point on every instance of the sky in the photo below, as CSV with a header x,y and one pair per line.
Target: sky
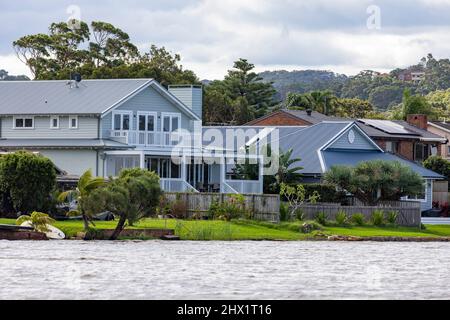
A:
x,y
344,36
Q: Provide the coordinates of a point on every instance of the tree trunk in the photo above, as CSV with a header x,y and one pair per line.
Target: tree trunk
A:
x,y
119,228
85,222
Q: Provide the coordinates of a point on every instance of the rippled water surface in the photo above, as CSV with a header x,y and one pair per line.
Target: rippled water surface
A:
x,y
223,270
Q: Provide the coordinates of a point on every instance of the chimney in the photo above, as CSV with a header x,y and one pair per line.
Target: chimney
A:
x,y
190,95
418,120
309,112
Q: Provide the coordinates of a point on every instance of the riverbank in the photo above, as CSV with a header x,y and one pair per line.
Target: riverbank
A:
x,y
252,230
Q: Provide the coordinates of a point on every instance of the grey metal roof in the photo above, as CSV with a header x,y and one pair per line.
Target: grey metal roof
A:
x,y
56,97
333,158
62,143
306,143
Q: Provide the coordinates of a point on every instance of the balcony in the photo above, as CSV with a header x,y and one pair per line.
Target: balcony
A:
x,y
152,139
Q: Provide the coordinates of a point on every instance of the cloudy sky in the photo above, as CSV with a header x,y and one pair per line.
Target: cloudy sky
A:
x,y
340,35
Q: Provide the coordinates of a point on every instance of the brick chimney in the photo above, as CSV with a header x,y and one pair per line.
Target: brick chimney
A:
x,y
418,120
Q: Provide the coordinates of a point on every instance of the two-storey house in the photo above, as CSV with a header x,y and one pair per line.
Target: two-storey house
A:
x,y
109,125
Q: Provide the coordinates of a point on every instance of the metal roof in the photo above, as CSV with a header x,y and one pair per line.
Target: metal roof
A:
x,y
57,97
62,144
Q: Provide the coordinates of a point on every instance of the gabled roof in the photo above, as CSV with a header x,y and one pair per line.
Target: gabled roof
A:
x,y
373,129
312,146
90,97
445,126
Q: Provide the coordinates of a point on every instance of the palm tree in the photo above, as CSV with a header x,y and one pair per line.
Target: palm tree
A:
x,y
86,185
38,221
323,101
288,173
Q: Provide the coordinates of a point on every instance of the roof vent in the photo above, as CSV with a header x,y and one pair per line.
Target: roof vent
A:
x,y
309,112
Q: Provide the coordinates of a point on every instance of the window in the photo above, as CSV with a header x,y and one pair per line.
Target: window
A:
x,y
122,121
24,123
54,122
147,121
421,152
73,122
421,196
392,146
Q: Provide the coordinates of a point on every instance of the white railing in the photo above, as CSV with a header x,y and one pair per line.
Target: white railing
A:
x,y
176,185
245,186
226,188
153,139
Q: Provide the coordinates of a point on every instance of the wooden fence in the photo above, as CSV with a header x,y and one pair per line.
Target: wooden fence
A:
x,y
409,213
440,192
263,207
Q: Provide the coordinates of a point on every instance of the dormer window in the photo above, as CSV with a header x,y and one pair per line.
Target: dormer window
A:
x,y
24,123
73,122
54,122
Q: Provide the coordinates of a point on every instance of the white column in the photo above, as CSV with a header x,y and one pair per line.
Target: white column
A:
x,y
142,162
261,174
222,174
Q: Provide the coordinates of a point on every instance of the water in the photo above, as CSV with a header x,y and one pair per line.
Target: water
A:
x,y
224,270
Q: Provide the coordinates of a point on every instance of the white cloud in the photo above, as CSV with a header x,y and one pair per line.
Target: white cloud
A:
x,y
13,65
272,34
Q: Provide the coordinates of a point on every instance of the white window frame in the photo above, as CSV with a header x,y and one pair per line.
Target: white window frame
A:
x,y
23,128
51,122
171,115
122,113
425,200
146,114
70,122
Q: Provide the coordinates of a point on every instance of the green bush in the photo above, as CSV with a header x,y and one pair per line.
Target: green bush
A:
x,y
26,182
392,217
358,219
229,210
378,218
327,192
322,218
310,226
341,218
284,212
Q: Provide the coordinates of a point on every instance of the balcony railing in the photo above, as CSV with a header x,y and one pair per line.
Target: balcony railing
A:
x,y
153,139
174,185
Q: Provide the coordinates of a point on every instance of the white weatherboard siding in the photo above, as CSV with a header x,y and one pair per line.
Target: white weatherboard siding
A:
x,y
87,129
74,162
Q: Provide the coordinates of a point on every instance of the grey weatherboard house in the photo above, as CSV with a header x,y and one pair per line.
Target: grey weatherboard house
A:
x,y
332,143
108,125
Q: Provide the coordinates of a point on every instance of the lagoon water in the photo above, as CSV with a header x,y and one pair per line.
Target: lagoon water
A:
x,y
224,270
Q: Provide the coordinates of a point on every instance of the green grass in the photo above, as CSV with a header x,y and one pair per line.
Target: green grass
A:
x,y
252,230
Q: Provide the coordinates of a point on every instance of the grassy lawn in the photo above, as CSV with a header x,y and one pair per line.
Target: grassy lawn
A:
x,y
251,230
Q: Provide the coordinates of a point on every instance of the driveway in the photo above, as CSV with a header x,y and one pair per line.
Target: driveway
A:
x,y
436,221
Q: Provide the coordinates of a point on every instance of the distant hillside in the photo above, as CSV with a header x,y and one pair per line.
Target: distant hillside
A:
x,y
5,76
304,81
382,90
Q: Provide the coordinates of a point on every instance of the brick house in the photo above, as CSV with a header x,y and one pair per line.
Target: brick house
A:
x,y
441,128
409,139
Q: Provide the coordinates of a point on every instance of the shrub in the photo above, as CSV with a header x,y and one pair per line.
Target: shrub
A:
x,y
378,218
327,192
358,219
392,217
299,214
322,218
284,212
341,218
229,210
26,182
